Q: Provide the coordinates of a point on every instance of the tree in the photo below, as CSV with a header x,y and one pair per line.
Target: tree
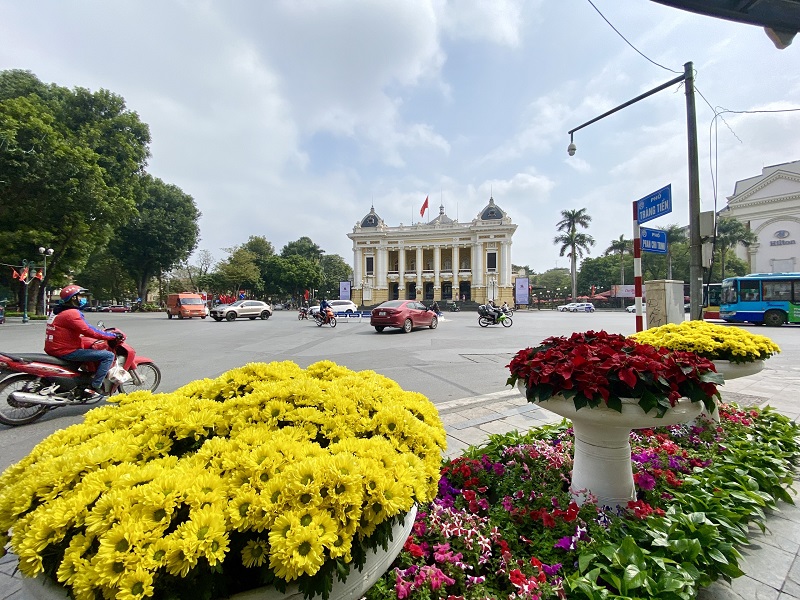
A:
x,y
69,160
292,274
334,270
675,234
238,271
731,233
197,274
574,244
262,250
620,247
162,235
106,279
303,247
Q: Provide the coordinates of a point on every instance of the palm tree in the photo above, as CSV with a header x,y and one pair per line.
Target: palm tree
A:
x,y
731,233
675,234
576,243
621,247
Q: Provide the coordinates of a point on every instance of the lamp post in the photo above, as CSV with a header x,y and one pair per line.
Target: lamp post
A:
x,y
28,266
695,246
45,252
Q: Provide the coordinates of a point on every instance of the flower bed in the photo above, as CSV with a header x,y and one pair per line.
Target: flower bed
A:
x,y
266,475
504,525
598,367
709,340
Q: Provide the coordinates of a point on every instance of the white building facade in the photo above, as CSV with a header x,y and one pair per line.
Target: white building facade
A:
x,y
441,260
769,205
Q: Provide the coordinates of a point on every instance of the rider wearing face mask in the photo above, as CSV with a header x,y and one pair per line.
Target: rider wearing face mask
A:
x,y
69,336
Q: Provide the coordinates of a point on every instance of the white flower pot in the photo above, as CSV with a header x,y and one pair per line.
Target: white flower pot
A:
x,y
602,462
352,588
731,370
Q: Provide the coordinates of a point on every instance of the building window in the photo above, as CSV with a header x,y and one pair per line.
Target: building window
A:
x,y
491,261
370,265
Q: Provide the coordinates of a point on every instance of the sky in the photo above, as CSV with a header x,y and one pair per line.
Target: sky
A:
x,y
291,118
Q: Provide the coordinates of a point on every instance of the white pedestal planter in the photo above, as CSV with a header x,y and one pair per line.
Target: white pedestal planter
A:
x,y
351,588
731,370
602,463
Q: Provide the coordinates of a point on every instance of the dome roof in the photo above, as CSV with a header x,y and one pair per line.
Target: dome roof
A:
x,y
372,219
442,219
492,212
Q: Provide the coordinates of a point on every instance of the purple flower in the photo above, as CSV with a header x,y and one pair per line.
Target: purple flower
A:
x,y
645,481
551,570
565,543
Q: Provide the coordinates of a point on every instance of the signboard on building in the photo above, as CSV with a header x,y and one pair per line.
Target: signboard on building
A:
x,y
654,205
653,240
521,290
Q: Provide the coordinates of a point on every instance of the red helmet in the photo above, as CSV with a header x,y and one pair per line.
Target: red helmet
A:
x,y
71,290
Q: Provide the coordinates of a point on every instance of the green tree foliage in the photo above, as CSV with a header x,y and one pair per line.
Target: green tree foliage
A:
x,y
573,243
730,233
262,250
106,279
334,270
303,247
163,233
292,275
239,271
620,247
601,272
68,164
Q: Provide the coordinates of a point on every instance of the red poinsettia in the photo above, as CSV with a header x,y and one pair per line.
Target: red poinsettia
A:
x,y
597,366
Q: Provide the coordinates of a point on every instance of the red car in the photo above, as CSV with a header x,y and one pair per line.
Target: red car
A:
x,y
405,314
118,308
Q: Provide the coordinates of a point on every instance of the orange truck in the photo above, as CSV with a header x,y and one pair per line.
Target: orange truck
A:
x,y
186,306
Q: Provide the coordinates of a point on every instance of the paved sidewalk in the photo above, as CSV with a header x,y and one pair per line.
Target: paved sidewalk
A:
x,y
771,561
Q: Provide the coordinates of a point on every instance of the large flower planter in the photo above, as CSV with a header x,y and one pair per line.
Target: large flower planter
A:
x,y
730,370
352,588
602,461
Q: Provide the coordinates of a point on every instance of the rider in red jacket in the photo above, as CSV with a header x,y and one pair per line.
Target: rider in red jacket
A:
x,y
68,336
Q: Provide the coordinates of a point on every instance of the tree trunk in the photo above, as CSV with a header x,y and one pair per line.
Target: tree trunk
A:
x,y
574,268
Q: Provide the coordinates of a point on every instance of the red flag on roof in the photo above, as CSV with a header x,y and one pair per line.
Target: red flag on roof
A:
x,y
424,207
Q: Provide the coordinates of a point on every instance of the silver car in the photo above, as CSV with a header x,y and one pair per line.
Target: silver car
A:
x,y
252,309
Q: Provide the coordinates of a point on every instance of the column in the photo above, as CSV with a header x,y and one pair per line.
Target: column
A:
x,y
381,269
455,261
505,263
477,264
437,286
358,261
419,269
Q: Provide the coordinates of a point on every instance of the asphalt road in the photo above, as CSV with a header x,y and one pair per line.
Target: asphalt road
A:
x,y
459,359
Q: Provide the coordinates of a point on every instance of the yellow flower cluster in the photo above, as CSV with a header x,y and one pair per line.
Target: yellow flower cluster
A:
x,y
712,341
306,463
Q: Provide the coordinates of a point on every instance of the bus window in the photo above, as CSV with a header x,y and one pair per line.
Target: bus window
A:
x,y
796,290
778,290
749,291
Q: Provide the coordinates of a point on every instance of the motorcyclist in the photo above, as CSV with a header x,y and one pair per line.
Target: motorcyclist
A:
x,y
323,310
69,336
494,312
505,308
435,308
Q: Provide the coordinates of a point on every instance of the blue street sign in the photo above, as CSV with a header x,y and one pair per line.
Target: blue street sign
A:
x,y
653,206
653,240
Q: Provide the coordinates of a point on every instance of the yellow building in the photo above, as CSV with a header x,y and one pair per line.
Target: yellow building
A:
x,y
441,260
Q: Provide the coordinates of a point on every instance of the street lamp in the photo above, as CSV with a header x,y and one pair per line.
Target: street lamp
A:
x,y
695,246
45,252
28,268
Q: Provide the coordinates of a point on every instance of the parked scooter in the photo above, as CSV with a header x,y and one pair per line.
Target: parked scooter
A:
x,y
33,384
302,313
488,317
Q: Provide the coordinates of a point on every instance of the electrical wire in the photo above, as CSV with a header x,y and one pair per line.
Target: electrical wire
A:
x,y
627,42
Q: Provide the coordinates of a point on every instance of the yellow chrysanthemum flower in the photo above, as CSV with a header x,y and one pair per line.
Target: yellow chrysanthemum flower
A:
x,y
255,553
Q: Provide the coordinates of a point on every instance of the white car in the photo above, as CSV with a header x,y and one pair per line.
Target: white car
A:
x,y
337,306
581,307
632,308
566,307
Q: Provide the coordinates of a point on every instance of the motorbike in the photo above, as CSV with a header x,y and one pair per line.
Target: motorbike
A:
x,y
507,311
34,384
453,307
302,313
325,319
486,318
